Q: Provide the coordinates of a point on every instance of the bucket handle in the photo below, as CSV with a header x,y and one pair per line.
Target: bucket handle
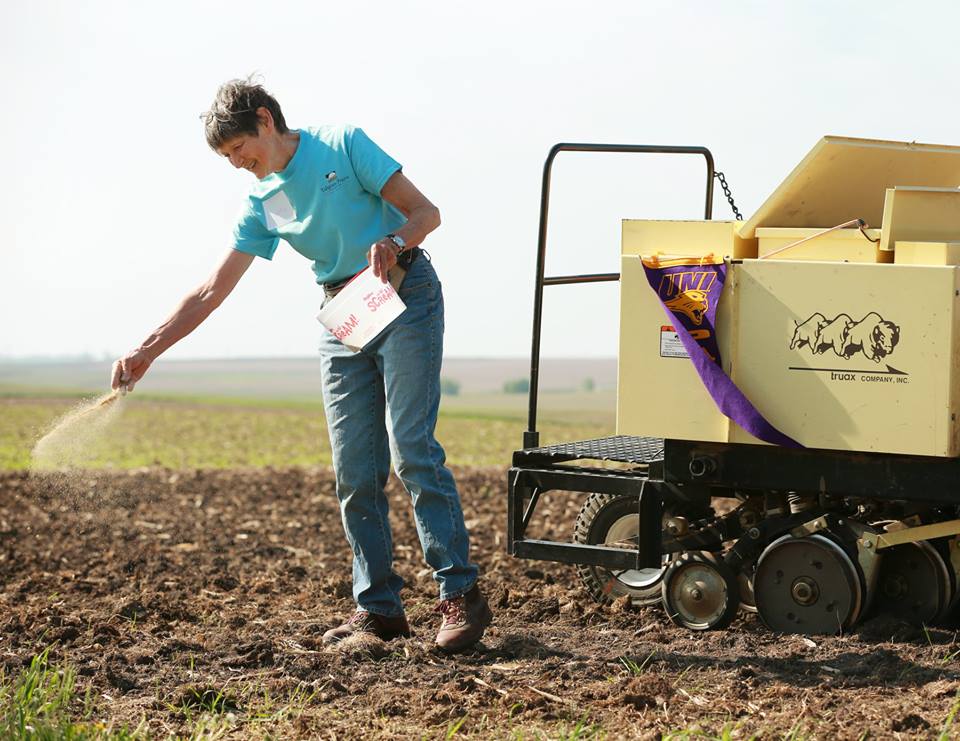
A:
x,y
859,223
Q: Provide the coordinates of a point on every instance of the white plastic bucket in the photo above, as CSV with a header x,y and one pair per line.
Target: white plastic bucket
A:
x,y
362,309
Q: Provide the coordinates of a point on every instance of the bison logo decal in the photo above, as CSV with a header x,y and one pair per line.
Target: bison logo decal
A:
x,y
873,336
692,303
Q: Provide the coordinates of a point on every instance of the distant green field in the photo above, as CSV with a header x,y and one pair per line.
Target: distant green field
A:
x,y
219,432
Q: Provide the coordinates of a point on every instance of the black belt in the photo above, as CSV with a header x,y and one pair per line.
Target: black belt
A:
x,y
404,260
407,258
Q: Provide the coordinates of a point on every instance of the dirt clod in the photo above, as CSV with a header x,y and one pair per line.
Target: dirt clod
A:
x,y
910,722
360,647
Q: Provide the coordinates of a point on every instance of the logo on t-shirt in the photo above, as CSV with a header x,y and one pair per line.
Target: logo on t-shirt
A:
x,y
334,181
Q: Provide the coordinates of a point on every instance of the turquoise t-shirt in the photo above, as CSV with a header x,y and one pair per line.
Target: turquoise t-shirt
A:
x,y
325,203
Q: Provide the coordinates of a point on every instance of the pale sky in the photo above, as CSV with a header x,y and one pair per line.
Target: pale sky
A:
x,y
115,207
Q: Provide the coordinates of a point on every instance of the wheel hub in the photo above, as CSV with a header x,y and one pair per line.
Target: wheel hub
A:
x,y
805,591
895,586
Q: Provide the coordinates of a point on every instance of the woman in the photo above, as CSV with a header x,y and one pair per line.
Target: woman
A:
x,y
343,203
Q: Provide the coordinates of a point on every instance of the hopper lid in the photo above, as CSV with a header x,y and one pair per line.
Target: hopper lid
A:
x,y
844,178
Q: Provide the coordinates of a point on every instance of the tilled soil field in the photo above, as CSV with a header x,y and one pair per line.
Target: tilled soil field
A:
x,y
179,592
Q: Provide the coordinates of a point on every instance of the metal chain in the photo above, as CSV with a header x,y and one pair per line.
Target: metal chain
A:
x,y
726,191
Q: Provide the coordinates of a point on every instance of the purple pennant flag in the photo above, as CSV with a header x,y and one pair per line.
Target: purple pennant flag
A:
x,y
689,289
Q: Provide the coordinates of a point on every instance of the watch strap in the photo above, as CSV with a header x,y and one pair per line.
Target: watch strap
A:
x,y
398,241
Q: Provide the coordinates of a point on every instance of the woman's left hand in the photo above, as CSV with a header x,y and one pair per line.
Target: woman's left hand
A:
x,y
382,256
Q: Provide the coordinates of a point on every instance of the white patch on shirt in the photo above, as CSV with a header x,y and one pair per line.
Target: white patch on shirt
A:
x,y
278,210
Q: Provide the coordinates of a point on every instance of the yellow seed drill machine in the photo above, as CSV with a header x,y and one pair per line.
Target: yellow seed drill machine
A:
x,y
835,323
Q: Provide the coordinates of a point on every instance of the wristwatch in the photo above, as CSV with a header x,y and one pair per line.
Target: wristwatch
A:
x,y
397,240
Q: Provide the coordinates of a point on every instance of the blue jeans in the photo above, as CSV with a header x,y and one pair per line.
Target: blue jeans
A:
x,y
382,402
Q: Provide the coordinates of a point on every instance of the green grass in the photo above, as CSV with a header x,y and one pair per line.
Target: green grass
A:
x,y
636,668
946,732
582,730
41,704
218,432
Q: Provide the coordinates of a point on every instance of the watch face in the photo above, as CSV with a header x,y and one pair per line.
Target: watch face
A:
x,y
397,240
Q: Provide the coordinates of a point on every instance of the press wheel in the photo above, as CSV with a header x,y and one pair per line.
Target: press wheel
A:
x,y
700,592
807,585
943,547
914,583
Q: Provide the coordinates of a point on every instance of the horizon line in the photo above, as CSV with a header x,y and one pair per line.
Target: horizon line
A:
x,y
86,358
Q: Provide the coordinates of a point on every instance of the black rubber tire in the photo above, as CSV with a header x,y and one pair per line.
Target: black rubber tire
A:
x,y
597,516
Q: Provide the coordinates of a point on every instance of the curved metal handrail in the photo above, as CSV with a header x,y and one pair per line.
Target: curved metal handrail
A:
x,y
531,438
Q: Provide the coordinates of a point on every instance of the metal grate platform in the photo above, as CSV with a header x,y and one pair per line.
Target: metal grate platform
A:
x,y
619,448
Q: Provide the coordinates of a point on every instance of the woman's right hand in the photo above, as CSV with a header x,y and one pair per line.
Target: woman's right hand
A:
x,y
194,308
130,368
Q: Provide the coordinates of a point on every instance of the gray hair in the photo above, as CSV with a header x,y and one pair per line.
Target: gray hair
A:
x,y
234,111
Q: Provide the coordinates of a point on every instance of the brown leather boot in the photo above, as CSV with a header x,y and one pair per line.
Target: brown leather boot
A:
x,y
383,627
464,620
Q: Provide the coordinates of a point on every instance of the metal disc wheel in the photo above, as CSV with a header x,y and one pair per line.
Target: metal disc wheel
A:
x,y
608,519
943,547
915,583
700,592
807,585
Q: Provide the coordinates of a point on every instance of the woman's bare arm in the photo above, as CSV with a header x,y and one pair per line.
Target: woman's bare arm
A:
x,y
195,307
422,218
